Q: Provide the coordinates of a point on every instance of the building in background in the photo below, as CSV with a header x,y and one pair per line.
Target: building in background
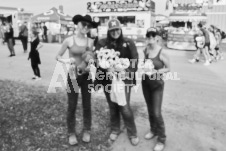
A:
x,y
214,9
136,16
10,14
16,16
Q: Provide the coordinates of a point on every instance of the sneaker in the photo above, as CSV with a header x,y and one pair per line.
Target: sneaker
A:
x,y
193,60
113,137
134,141
149,135
86,137
207,63
73,140
34,77
159,147
38,78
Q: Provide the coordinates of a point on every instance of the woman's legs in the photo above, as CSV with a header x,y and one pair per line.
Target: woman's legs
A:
x,y
126,112
149,102
114,113
72,104
153,98
11,46
127,115
206,54
36,69
86,102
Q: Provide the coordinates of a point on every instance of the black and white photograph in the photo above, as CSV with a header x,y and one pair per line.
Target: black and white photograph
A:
x,y
112,75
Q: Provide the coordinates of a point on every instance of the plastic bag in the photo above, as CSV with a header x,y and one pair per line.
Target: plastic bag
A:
x,y
118,91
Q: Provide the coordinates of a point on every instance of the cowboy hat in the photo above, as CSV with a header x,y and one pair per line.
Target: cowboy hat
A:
x,y
87,18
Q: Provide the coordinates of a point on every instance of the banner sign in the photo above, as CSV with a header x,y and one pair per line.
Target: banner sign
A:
x,y
211,2
181,38
187,7
120,6
219,2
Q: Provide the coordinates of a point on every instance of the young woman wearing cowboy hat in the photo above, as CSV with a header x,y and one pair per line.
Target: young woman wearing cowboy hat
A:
x,y
77,45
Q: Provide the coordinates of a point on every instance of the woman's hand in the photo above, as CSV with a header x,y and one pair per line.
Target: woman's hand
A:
x,y
67,61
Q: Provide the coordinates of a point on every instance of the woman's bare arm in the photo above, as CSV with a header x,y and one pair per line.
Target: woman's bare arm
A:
x,y
165,59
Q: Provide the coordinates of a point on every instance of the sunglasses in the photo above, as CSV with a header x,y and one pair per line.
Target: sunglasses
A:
x,y
84,24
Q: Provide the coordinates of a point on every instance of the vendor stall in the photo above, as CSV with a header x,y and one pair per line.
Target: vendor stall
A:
x,y
183,26
136,16
54,19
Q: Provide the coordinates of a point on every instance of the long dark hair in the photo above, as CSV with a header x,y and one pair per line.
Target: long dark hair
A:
x,y
114,43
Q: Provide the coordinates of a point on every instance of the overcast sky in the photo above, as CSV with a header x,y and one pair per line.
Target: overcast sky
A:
x,y
71,7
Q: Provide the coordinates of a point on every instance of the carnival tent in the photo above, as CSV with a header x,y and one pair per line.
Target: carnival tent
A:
x,y
52,15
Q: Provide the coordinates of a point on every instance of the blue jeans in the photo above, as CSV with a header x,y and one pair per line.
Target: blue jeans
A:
x,y
82,82
153,94
125,111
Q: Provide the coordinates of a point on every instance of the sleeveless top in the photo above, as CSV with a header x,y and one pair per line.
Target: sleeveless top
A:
x,y
158,64
76,51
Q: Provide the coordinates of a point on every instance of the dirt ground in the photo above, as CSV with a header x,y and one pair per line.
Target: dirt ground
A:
x,y
194,107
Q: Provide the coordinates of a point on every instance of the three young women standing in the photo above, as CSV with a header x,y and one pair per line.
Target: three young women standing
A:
x,y
152,89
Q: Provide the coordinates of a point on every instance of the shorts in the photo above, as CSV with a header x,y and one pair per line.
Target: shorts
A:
x,y
207,45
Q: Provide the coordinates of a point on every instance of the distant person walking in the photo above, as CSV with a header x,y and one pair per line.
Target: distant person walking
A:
x,y
34,55
1,32
206,48
23,35
45,29
9,38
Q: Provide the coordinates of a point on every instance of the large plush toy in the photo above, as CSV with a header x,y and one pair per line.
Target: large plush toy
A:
x,y
88,58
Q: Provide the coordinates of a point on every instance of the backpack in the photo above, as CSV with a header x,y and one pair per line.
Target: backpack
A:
x,y
223,35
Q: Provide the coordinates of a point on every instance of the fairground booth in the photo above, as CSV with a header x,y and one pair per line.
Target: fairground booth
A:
x,y
136,16
184,21
16,16
56,22
185,17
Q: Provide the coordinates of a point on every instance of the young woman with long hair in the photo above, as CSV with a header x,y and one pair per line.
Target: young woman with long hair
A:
x,y
127,49
153,87
77,45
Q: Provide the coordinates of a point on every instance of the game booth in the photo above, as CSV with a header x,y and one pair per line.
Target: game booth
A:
x,y
136,16
183,26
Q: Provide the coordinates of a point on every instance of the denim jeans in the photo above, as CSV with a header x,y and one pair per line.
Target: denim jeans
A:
x,y
82,82
125,111
153,94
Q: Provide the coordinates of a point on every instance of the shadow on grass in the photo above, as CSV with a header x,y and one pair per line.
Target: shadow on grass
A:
x,y
31,119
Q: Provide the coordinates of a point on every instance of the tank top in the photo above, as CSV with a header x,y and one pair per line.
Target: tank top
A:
x,y
158,64
76,51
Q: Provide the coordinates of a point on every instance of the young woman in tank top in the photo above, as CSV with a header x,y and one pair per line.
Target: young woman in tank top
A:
x,y
153,88
77,45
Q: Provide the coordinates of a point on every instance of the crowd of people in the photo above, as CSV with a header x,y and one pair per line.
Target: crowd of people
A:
x,y
42,29
208,43
78,45
7,36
